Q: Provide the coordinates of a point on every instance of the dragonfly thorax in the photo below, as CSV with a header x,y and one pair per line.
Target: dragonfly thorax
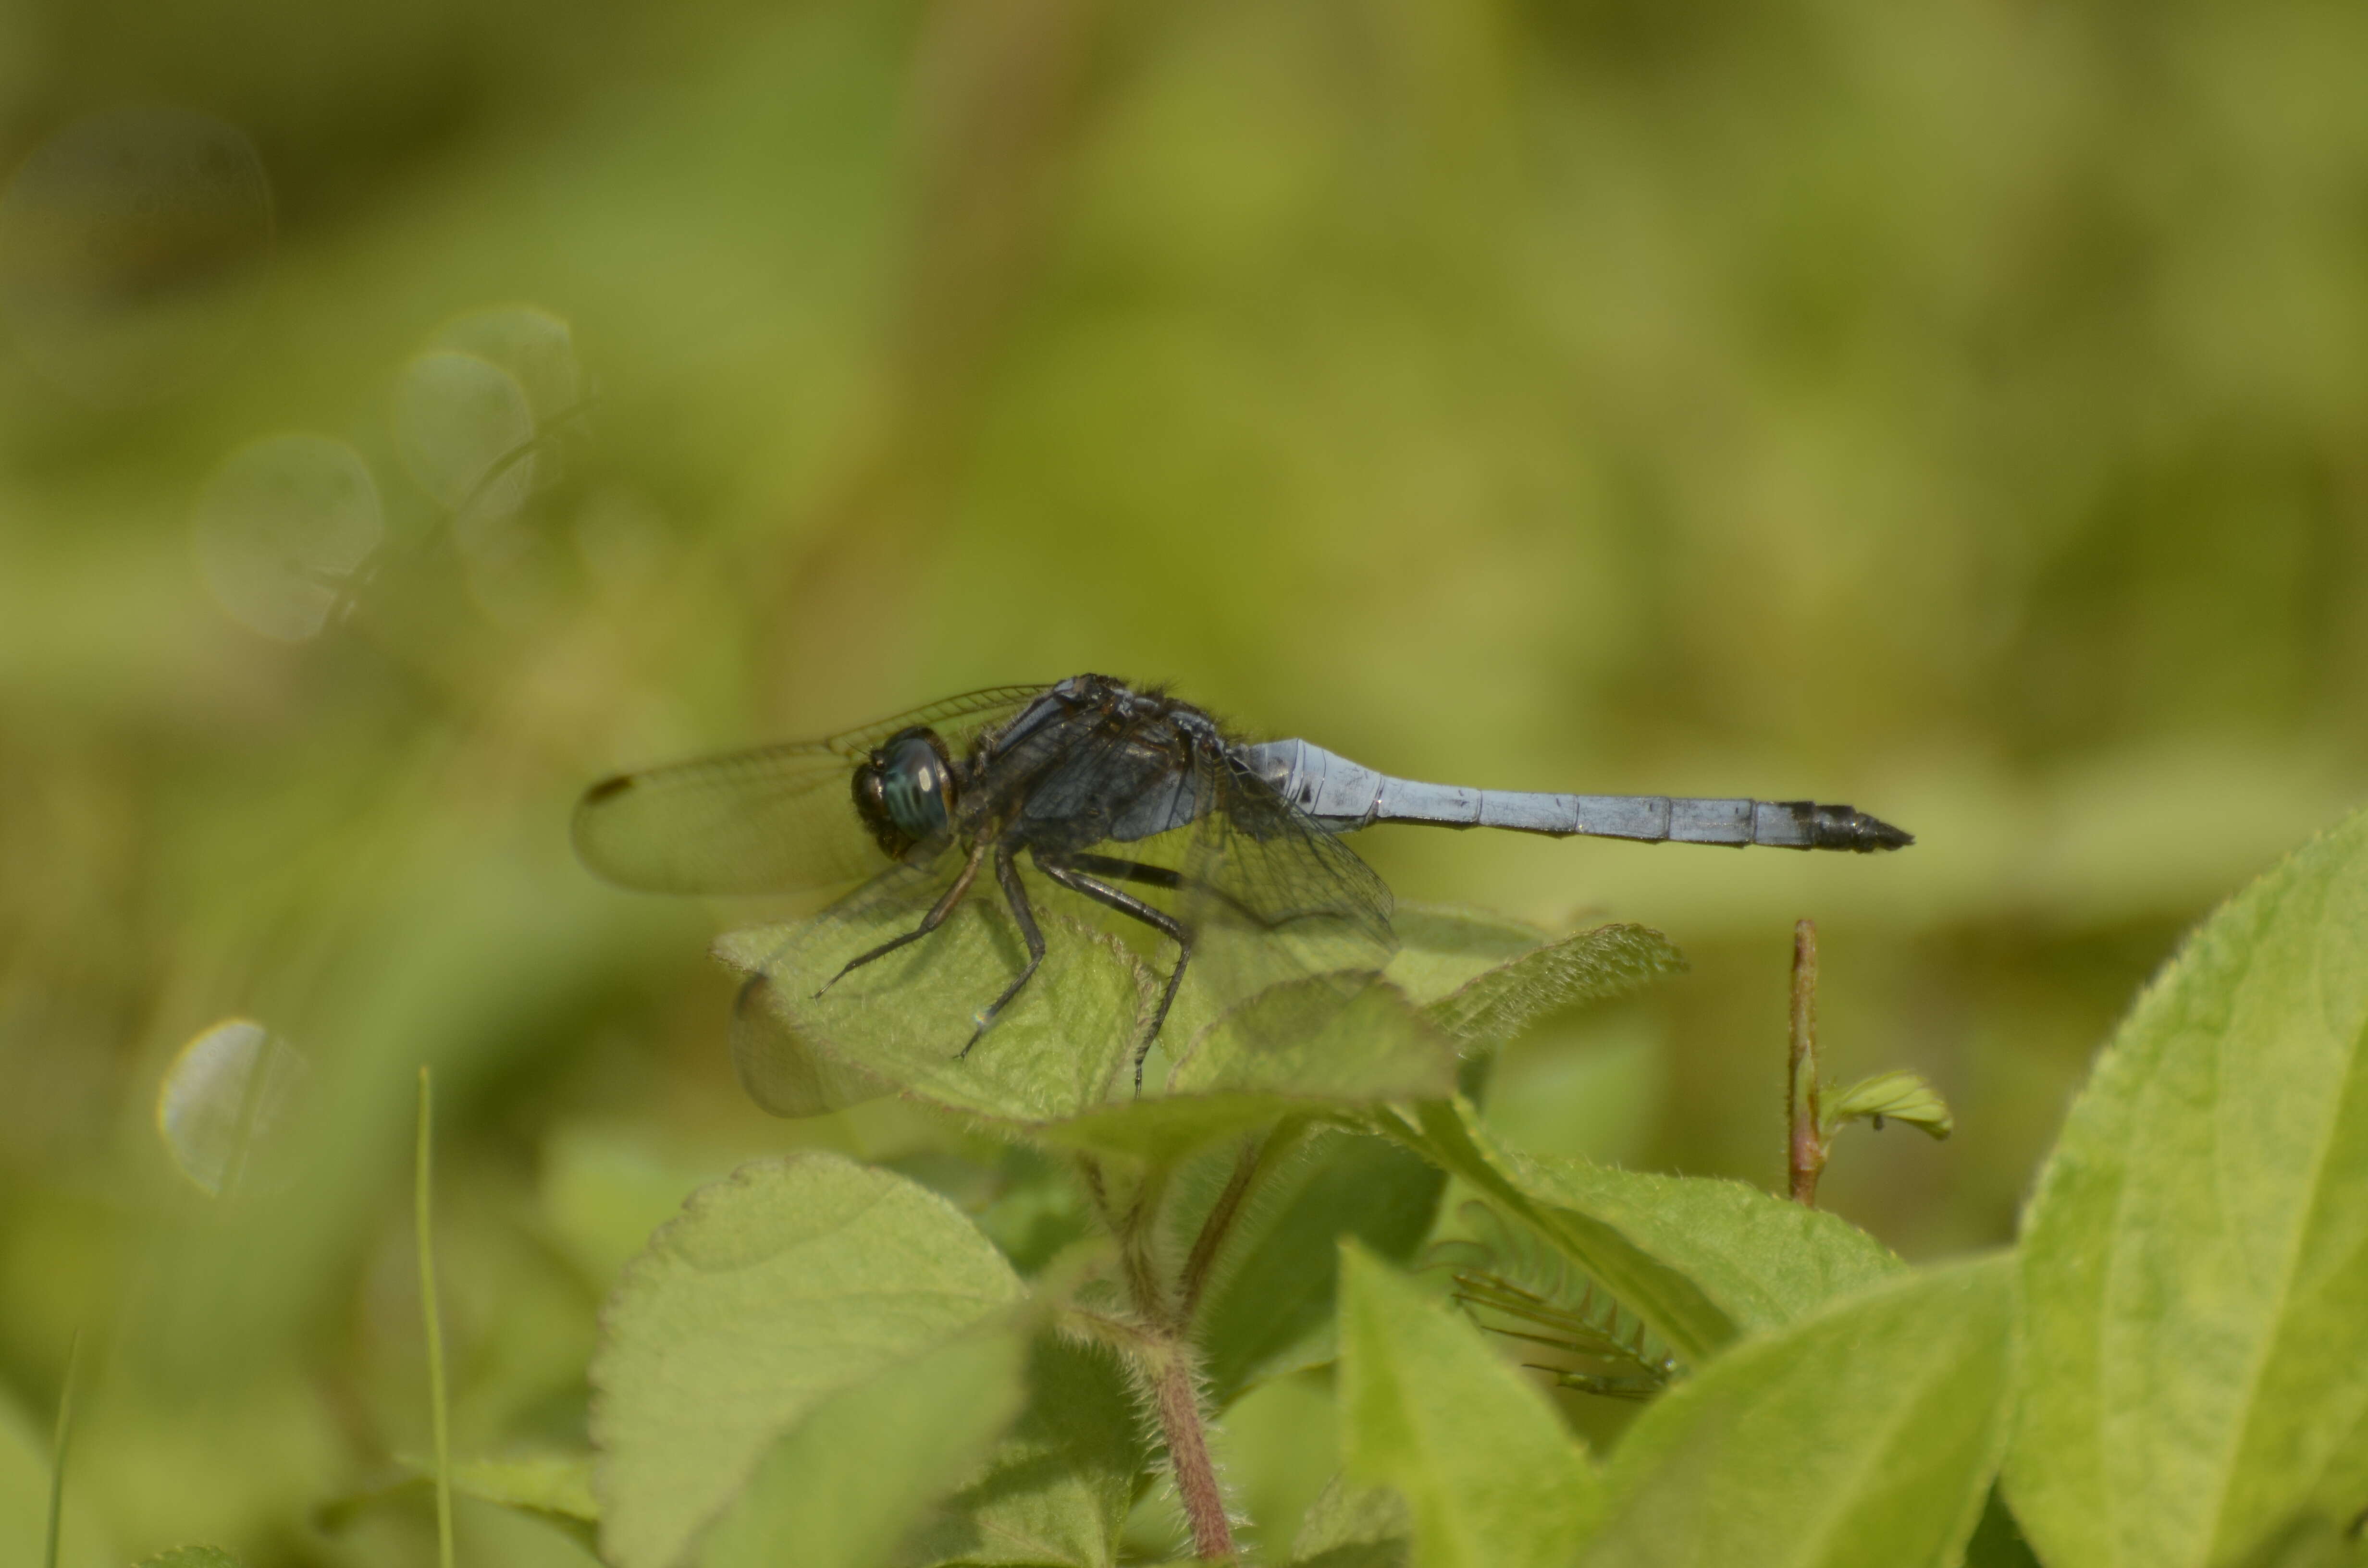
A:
x,y
904,791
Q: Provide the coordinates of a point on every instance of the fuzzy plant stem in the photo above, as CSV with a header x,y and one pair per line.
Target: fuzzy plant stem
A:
x,y
1161,1351
1806,1141
1175,1394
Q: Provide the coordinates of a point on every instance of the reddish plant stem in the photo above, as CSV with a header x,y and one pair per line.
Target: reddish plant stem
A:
x,y
1804,1153
1178,1399
1156,1342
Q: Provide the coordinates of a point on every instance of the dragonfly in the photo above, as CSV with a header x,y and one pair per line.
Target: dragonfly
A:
x,y
1233,853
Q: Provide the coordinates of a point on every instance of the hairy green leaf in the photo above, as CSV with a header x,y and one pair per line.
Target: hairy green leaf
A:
x,y
1490,1476
847,1482
1443,947
1589,966
1058,1487
1057,1051
1271,1309
1863,1435
192,1557
1249,1072
791,1281
1354,1526
1700,1260
1060,1054
2196,1253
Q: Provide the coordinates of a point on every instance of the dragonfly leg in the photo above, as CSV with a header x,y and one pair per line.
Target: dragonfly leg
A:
x,y
1064,872
930,922
1124,871
1161,877
1007,871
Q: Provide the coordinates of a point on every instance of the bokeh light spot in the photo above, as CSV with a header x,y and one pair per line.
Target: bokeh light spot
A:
x,y
536,347
280,526
221,1101
466,429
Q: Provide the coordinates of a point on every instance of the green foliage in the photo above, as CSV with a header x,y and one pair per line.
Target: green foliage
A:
x,y
2195,1377
1056,1490
1698,1260
1951,409
821,1361
901,1020
1832,1406
1355,1527
1590,966
1373,1049
1490,1474
192,1557
1895,1097
1271,1309
557,1486
845,1482
774,1294
1516,1284
1863,1435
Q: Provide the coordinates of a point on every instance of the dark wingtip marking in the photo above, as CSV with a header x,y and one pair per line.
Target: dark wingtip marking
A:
x,y
607,787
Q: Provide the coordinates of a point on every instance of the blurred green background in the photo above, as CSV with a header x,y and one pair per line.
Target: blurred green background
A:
x,y
1960,411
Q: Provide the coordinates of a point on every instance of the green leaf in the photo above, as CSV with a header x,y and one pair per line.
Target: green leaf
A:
x,y
557,1485
785,1071
848,1481
791,1281
1700,1260
1271,1309
1059,1487
1589,966
1237,1078
555,1488
192,1557
1442,947
1491,1478
1891,1096
1354,1526
1866,1434
2196,1253
1511,1282
1056,1053
1997,1540
1060,1054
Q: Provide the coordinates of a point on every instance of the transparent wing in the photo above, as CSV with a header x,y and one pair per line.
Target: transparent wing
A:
x,y
955,718
1272,898
776,819
782,1071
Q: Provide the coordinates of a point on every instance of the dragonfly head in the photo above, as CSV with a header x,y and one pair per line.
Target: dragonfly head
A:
x,y
904,791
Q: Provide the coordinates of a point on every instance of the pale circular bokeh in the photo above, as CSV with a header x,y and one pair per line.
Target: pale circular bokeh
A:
x,y
536,347
131,244
466,428
221,1101
280,526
